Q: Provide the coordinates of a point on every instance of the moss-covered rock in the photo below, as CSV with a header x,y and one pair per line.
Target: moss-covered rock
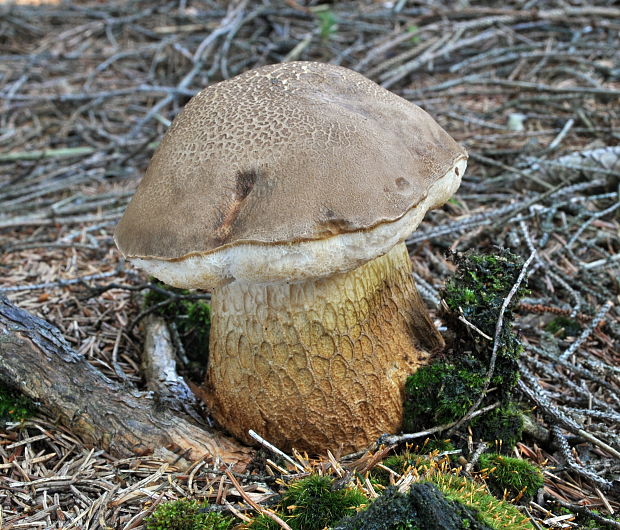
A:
x,y
186,514
477,292
491,511
481,283
423,507
441,472
312,504
511,476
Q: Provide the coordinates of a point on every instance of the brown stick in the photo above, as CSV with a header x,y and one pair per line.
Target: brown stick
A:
x,y
36,359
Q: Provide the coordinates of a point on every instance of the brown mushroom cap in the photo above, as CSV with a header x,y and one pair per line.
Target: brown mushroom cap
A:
x,y
288,153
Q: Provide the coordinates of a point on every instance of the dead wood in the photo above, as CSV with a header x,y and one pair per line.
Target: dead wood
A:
x,y
159,368
36,359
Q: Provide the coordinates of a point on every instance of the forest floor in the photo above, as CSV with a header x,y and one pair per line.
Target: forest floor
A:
x,y
531,89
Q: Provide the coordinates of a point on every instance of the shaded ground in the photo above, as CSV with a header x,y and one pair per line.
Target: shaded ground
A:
x,y
532,92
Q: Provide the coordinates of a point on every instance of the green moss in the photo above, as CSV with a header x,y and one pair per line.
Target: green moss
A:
x,y
392,511
478,290
482,281
186,514
399,464
194,324
430,448
432,445
563,327
512,475
445,391
14,407
440,393
418,457
502,426
491,511
313,504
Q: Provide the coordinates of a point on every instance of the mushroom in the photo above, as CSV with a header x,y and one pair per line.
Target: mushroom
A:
x,y
288,191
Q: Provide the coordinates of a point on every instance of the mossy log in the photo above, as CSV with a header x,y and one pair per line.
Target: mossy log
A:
x,y
36,360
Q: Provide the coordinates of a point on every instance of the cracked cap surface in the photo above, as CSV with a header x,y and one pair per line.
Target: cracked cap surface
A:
x,y
293,152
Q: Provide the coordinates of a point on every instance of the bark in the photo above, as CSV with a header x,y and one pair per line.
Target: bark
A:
x,y
36,359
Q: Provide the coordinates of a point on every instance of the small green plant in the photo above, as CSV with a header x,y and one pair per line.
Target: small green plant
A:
x,y
415,38
563,327
511,475
313,504
14,407
186,514
328,24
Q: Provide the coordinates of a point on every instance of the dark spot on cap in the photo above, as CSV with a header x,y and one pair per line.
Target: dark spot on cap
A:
x,y
402,183
245,181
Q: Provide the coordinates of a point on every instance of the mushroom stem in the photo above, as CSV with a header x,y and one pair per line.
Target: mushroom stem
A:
x,y
319,364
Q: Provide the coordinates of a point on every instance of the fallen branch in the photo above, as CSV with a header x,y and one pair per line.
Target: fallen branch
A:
x,y
36,359
407,437
269,446
584,510
535,392
159,368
